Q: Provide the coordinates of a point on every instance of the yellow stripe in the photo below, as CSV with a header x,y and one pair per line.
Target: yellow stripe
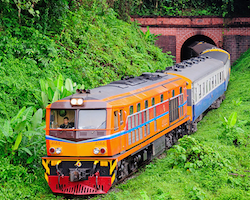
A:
x,y
45,165
113,179
46,177
104,163
55,162
112,167
220,50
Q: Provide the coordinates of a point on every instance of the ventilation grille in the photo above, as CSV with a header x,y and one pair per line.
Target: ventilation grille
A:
x,y
79,189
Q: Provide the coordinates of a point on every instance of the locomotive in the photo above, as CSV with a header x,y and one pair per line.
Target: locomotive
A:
x,y
97,137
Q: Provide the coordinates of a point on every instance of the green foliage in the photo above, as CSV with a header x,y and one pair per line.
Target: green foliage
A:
x,y
51,91
21,137
233,133
180,8
90,46
190,154
197,193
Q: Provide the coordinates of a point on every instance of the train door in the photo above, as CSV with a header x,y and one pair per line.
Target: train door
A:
x,y
122,125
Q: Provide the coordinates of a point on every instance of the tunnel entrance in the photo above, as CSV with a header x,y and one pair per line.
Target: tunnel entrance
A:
x,y
186,52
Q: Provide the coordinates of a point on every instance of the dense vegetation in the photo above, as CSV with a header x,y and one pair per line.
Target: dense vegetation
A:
x,y
83,41
47,50
228,8
199,166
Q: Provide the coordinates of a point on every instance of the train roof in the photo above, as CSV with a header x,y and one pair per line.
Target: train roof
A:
x,y
196,68
127,84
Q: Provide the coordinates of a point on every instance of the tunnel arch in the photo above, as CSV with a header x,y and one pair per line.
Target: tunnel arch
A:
x,y
186,52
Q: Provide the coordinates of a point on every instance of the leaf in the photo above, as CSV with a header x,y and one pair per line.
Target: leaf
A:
x,y
27,114
18,116
45,99
43,85
51,85
232,119
56,96
6,129
64,93
50,94
26,150
20,126
36,119
18,141
30,159
59,82
69,85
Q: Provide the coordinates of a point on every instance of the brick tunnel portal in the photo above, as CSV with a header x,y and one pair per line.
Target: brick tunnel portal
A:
x,y
186,52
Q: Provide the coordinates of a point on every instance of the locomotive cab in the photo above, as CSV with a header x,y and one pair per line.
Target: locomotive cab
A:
x,y
78,125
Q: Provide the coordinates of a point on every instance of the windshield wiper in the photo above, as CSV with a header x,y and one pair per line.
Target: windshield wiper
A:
x,y
98,127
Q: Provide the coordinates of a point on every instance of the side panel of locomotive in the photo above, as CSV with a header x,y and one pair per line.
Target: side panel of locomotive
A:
x,y
137,124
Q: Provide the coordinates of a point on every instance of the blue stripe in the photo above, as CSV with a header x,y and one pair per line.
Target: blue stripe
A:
x,y
110,137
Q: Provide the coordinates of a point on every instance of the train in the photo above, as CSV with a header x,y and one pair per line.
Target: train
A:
x,y
96,138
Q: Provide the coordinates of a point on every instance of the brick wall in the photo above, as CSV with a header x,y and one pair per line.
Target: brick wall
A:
x,y
167,43
230,33
236,45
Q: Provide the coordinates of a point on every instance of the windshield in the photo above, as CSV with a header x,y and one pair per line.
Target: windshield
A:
x,y
63,119
92,119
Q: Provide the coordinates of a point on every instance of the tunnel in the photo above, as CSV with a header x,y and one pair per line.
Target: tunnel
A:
x,y
186,52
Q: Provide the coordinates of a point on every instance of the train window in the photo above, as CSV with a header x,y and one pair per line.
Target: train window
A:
x,y
206,86
215,82
220,77
223,76
195,94
199,91
64,119
121,117
131,110
153,101
146,104
210,84
92,119
116,120
162,98
203,89
138,107
180,90
172,93
218,80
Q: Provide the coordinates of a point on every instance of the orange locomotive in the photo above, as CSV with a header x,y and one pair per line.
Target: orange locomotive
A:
x,y
95,138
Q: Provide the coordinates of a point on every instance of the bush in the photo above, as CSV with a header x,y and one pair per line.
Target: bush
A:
x,y
190,154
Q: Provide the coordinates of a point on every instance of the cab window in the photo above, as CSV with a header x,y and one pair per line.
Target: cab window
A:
x,y
62,119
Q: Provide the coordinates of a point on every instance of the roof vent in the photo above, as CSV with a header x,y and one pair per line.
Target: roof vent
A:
x,y
81,91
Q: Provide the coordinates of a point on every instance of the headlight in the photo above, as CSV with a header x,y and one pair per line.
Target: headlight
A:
x,y
58,150
96,150
80,101
76,101
73,101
